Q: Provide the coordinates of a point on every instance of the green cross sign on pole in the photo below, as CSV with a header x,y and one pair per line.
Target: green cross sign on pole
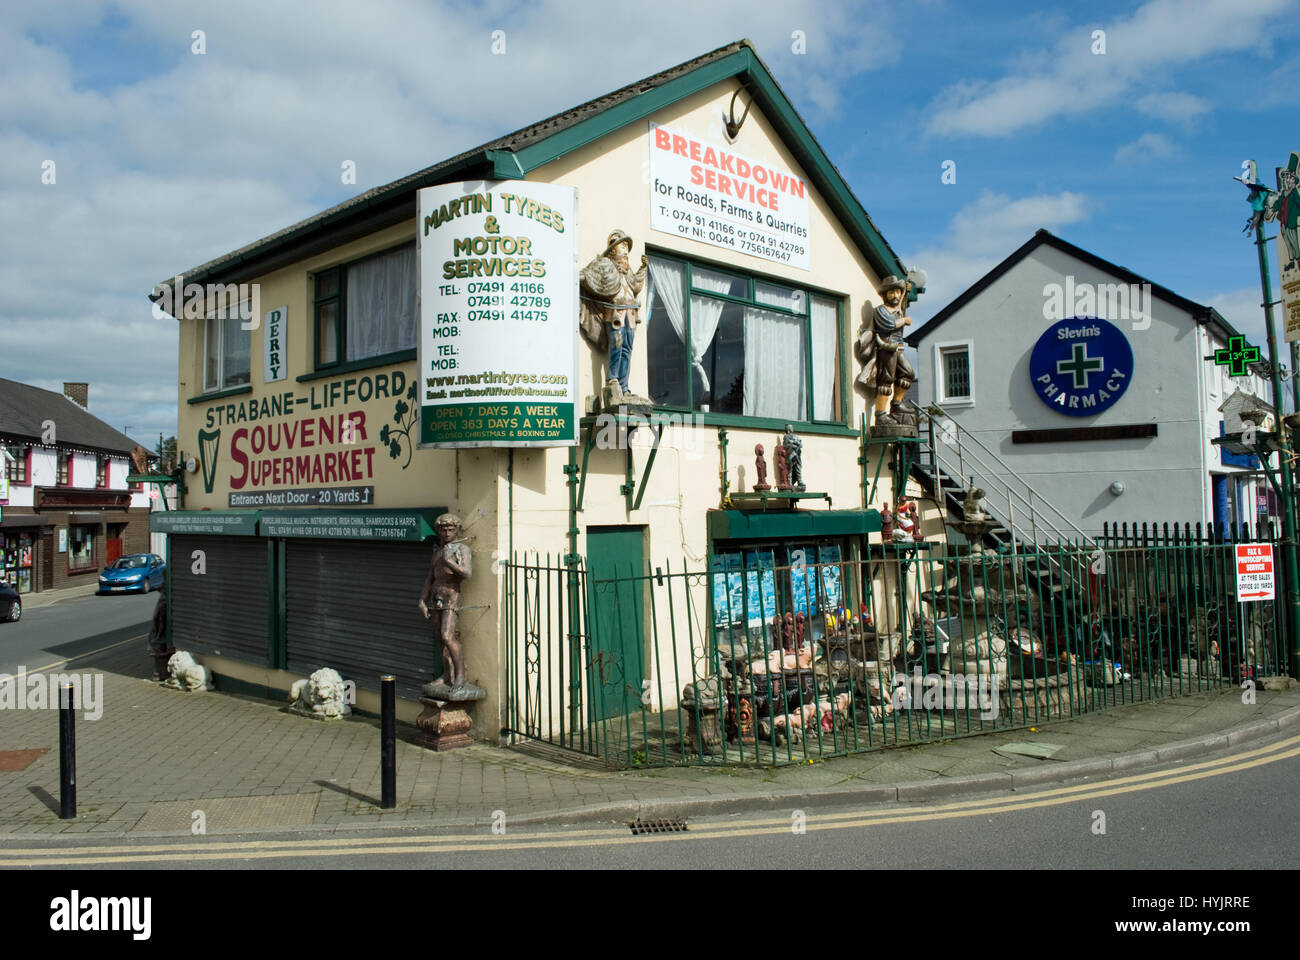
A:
x,y
1081,365
1236,355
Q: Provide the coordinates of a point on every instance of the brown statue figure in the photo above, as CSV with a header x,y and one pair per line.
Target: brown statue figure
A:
x,y
880,350
800,629
450,567
782,466
611,293
787,633
760,469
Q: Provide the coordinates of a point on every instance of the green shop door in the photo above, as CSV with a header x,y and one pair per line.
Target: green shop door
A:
x,y
615,598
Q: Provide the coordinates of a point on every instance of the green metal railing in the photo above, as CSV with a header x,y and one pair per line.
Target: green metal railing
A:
x,y
772,665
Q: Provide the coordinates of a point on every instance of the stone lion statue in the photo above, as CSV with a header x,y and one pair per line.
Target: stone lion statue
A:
x,y
323,695
184,673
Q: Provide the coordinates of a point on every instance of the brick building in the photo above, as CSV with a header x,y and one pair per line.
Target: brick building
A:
x,y
66,508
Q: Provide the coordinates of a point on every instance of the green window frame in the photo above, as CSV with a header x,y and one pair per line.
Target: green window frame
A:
x,y
330,319
677,381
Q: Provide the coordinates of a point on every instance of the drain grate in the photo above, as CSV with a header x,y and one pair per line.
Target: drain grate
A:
x,y
639,826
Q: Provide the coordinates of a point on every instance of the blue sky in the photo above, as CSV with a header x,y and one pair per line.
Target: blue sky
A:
x,y
166,158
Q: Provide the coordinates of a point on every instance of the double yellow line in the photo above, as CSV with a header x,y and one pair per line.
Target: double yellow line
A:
x,y
486,842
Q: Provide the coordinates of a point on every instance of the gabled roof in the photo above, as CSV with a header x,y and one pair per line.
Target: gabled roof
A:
x,y
517,154
1199,311
24,409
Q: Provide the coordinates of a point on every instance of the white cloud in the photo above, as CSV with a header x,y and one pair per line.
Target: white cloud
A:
x,y
186,157
1243,308
1145,149
1174,107
983,234
1072,80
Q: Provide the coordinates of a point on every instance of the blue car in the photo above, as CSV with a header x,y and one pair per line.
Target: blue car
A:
x,y
138,572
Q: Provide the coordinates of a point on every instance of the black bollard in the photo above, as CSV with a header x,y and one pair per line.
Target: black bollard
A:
x,y
388,740
67,755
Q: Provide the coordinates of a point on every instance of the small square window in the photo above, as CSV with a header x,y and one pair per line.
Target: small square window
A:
x,y
954,373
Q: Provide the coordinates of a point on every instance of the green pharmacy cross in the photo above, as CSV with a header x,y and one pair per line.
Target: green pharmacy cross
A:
x,y
1081,365
1236,355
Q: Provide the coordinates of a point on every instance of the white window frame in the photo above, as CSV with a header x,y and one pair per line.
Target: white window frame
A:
x,y
219,314
940,383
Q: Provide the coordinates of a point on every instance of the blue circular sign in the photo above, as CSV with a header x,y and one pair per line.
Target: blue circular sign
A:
x,y
1081,366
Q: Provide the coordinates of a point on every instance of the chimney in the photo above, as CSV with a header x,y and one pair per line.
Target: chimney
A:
x,y
78,393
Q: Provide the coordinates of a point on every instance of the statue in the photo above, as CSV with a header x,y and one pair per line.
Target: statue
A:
x,y
880,350
970,507
1284,206
185,673
139,459
450,567
159,649
780,463
323,695
800,629
794,458
760,469
610,296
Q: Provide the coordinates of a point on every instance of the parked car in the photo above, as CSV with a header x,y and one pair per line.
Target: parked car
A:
x,y
11,605
140,572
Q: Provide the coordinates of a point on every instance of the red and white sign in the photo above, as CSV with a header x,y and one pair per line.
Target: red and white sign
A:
x,y
707,192
1254,571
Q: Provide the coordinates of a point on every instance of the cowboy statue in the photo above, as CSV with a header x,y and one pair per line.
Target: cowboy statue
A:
x,y
880,350
610,312
1284,206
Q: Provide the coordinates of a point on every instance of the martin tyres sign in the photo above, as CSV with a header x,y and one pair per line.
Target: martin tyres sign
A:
x,y
1081,366
1254,571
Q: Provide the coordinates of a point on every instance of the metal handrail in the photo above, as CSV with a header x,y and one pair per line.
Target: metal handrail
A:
x,y
992,476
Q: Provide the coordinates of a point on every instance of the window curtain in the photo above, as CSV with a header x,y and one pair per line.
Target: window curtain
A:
x,y
668,281
775,372
381,295
825,334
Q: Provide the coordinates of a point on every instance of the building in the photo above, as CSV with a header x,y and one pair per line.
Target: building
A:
x,y
306,521
1110,419
66,506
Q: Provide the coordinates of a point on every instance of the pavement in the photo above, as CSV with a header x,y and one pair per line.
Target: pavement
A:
x,y
158,761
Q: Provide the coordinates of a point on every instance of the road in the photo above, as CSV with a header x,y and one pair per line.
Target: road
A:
x,y
51,633
1234,811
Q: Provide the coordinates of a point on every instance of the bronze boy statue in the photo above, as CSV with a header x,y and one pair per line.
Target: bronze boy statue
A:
x,y
880,349
450,567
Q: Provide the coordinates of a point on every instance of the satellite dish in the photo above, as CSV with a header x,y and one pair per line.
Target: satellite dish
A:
x,y
192,465
917,278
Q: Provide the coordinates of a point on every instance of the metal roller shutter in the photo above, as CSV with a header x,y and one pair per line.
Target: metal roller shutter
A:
x,y
224,610
352,606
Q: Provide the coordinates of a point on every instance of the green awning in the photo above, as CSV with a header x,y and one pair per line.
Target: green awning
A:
x,y
792,524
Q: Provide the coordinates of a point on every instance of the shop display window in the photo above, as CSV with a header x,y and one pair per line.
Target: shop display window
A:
x,y
753,585
720,341
81,548
367,308
18,560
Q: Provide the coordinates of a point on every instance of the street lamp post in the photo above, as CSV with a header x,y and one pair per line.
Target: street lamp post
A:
x,y
1258,199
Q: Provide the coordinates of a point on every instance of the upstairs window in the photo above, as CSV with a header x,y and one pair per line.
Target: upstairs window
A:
x,y
101,473
722,341
226,345
17,467
64,478
366,309
955,383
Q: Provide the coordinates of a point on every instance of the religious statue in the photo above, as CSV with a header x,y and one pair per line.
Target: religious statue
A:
x,y
610,297
450,568
780,464
760,469
787,633
794,458
800,629
880,349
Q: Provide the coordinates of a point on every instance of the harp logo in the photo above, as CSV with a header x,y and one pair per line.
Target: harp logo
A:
x,y
209,449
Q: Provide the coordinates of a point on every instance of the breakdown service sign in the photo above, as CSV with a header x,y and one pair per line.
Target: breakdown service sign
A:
x,y
498,350
1254,571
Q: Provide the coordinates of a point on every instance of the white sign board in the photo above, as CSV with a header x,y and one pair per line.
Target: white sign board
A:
x,y
1254,572
4,483
712,194
498,348
275,351
63,540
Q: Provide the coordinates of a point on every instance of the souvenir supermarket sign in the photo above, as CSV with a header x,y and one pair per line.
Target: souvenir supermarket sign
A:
x,y
498,348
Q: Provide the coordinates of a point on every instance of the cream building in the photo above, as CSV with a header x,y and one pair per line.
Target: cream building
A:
x,y
306,527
